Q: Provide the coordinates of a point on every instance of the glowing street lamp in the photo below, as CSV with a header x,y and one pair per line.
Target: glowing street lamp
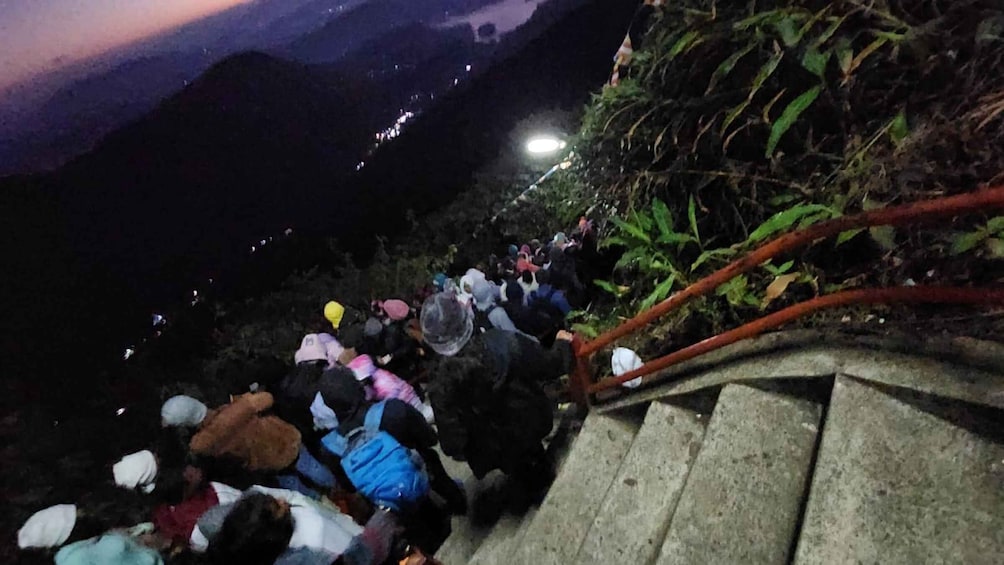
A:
x,y
543,145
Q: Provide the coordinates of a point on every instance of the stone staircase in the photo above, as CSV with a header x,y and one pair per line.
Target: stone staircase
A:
x,y
764,465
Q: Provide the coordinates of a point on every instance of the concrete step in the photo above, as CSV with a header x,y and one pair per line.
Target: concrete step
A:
x,y
742,500
900,480
564,518
508,533
467,534
634,517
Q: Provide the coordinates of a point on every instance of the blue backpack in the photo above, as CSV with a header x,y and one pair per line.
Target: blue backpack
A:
x,y
382,469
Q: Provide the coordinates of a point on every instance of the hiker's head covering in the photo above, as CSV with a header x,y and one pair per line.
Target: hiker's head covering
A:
x,y
623,361
106,549
439,281
447,325
136,470
396,309
182,410
311,349
333,312
362,367
484,295
372,327
48,528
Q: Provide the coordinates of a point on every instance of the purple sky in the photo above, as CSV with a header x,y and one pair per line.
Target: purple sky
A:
x,y
37,35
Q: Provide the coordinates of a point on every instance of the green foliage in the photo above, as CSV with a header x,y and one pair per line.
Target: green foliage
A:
x,y
989,238
788,117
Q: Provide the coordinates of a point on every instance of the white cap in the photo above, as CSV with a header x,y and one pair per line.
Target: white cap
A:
x,y
182,410
48,528
625,360
136,470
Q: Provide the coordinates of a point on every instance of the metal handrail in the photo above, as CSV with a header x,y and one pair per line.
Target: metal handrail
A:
x,y
581,384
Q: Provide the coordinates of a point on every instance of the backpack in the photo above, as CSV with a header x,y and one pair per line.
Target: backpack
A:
x,y
382,469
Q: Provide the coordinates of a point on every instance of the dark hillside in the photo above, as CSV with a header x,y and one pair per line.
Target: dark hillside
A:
x,y
436,157
245,151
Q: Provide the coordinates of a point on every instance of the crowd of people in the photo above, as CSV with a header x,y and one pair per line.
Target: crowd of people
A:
x,y
337,461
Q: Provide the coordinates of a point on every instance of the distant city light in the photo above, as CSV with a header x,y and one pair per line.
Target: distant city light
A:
x,y
468,68
539,145
159,320
120,411
129,352
456,81
360,165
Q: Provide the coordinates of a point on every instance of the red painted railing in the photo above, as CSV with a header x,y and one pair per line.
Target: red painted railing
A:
x,y
582,384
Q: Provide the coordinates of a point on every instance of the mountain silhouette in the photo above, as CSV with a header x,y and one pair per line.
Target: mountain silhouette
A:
x,y
253,146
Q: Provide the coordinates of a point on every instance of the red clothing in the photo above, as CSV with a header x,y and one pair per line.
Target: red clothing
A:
x,y
177,521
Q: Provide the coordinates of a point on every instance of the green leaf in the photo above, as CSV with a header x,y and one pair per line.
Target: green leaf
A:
x,y
891,36
662,217
995,247
632,229
996,225
788,117
692,216
608,286
661,292
788,30
898,129
782,199
733,114
784,220
736,291
612,241
848,235
683,44
726,66
706,256
764,73
676,237
885,236
815,62
845,54
776,271
761,17
966,241
586,329
834,25
641,253
642,220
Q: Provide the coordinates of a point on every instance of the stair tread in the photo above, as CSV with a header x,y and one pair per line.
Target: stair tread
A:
x,y
896,483
742,500
563,520
636,513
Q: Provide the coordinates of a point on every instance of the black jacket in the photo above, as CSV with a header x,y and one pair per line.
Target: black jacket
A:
x,y
338,387
490,408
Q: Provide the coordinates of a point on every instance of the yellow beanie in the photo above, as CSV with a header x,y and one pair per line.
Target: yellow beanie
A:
x,y
334,311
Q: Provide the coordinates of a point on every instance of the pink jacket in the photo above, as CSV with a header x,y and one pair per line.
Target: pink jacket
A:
x,y
384,383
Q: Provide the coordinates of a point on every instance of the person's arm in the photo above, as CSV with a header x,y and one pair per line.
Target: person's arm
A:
x,y
447,393
546,364
501,320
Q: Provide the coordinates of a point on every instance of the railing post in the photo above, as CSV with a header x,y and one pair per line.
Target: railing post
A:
x,y
580,378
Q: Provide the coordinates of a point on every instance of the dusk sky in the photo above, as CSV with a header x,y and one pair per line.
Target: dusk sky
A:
x,y
38,35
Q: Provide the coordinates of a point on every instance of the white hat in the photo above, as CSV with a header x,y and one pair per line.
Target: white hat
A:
x,y
136,470
311,349
182,410
624,360
48,528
